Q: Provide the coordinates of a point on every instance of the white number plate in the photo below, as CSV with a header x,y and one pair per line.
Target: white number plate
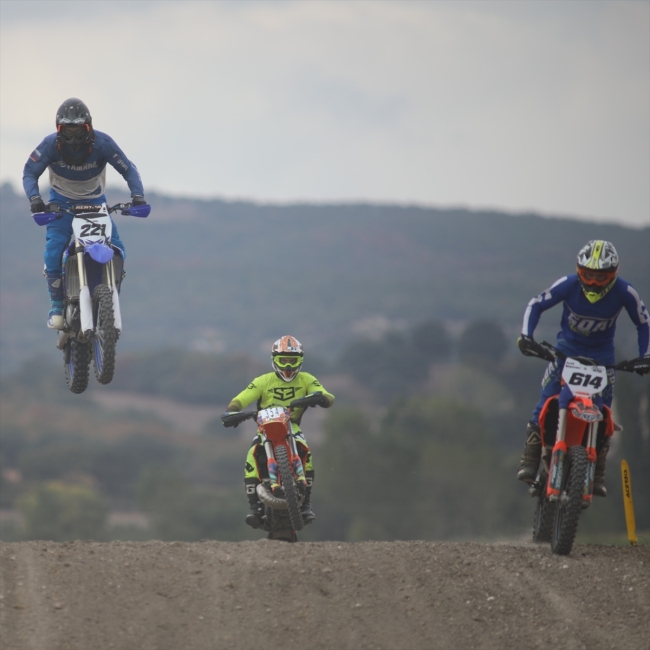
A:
x,y
584,380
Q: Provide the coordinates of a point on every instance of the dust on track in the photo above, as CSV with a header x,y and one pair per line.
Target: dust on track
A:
x,y
380,595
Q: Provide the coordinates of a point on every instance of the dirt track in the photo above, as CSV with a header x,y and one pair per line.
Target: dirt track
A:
x,y
399,595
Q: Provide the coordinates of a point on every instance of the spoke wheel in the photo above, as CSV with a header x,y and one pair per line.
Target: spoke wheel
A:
x,y
570,505
544,518
290,487
76,358
105,336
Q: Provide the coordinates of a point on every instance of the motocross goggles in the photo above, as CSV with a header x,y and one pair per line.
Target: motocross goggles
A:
x,y
74,135
292,362
287,366
596,284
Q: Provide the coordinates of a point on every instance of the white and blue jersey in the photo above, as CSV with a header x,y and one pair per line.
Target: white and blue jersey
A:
x,y
79,183
587,329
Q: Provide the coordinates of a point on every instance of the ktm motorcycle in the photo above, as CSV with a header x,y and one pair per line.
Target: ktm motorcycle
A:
x,y
92,271
282,490
573,425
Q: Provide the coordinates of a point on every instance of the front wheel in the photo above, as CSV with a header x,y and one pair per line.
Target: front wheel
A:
x,y
290,487
570,504
105,336
76,357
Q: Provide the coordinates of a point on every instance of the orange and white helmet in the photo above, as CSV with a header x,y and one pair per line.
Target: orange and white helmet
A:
x,y
287,356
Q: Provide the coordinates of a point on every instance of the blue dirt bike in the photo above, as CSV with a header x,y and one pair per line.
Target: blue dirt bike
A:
x,y
92,275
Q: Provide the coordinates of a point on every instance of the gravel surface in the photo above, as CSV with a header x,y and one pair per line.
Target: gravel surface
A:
x,y
381,595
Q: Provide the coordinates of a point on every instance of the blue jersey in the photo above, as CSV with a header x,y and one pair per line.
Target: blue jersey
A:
x,y
588,328
79,182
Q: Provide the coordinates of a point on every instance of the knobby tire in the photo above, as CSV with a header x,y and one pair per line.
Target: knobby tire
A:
x,y
568,513
544,518
290,488
105,334
76,357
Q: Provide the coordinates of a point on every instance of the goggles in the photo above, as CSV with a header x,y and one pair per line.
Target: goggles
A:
x,y
596,278
288,361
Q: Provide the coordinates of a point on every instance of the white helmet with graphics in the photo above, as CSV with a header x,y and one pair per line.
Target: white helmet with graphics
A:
x,y
287,356
597,268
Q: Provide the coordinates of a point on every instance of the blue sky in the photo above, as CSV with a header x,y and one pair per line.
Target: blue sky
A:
x,y
541,106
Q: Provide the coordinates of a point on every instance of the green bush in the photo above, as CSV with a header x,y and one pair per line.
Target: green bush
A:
x,y
60,512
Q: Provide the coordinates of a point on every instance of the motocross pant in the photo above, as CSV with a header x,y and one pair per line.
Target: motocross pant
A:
x,y
255,468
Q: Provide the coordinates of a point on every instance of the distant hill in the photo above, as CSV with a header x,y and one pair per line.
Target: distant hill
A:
x,y
212,274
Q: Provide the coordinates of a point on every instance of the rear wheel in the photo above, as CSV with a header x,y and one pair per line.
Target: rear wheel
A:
x,y
570,505
105,334
76,357
289,486
544,518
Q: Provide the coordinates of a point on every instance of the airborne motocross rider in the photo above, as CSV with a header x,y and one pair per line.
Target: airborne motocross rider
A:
x,y
593,298
279,388
76,156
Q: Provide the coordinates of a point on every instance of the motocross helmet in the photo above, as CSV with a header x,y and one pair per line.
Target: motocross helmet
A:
x,y
287,355
597,268
74,131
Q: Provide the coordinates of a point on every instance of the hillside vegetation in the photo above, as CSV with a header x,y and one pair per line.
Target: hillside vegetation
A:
x,y
217,275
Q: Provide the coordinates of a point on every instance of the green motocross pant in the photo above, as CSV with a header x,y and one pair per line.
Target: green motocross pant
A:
x,y
256,468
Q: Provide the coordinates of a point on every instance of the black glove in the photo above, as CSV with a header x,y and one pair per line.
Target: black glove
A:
x,y
529,347
642,366
138,200
36,204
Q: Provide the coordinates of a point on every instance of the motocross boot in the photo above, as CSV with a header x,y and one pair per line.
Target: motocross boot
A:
x,y
55,287
305,509
256,508
600,490
529,463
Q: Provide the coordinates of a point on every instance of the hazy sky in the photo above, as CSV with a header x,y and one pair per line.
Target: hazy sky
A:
x,y
540,106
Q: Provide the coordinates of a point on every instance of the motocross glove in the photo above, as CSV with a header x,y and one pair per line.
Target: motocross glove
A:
x,y
36,204
227,421
642,366
138,200
529,347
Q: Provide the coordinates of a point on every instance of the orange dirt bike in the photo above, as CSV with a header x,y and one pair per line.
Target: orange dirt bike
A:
x,y
282,490
573,425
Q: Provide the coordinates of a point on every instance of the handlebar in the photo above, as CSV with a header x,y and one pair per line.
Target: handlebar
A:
x,y
631,365
236,418
54,211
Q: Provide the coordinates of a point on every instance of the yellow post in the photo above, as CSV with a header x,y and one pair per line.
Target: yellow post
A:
x,y
627,502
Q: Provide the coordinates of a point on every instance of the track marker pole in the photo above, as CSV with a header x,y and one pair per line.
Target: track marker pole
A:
x,y
628,503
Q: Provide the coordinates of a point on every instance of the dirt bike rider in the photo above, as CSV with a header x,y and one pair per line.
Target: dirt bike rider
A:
x,y
279,388
593,299
76,157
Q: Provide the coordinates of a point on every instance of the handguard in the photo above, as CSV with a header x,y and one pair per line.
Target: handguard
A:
x,y
235,418
529,347
315,399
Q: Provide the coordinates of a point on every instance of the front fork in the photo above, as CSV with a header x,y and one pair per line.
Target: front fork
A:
x,y
272,464
85,302
117,314
558,461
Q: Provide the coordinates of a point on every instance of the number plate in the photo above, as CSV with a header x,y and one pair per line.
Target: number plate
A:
x,y
584,380
91,228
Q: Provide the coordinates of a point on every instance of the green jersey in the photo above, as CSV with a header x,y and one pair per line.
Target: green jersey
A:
x,y
269,390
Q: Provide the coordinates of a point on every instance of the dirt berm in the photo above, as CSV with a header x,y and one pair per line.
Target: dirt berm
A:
x,y
384,595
